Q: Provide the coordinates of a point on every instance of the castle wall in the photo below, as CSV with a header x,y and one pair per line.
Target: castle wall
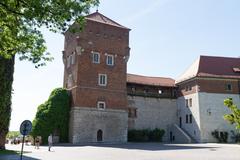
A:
x,y
153,113
193,128
85,123
212,110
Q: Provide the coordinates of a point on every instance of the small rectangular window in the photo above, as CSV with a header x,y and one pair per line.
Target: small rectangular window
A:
x,y
190,102
96,57
68,61
190,118
110,60
132,112
228,87
102,79
73,58
101,105
186,118
186,102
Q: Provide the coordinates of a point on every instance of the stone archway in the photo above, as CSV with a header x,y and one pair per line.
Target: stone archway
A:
x,y
99,135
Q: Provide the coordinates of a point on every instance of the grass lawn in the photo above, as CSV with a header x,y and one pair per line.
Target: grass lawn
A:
x,y
7,152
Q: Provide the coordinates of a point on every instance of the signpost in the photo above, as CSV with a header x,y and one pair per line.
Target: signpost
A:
x,y
25,129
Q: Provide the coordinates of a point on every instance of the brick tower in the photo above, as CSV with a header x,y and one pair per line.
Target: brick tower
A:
x,y
95,61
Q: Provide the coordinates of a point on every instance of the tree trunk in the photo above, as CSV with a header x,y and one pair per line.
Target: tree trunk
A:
x,y
6,80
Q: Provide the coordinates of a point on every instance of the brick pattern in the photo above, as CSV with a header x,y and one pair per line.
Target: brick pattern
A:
x,y
105,39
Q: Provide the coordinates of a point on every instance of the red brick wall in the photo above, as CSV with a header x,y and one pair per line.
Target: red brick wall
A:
x,y
101,38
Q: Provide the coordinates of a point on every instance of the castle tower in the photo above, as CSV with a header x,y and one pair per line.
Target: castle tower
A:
x,y
95,61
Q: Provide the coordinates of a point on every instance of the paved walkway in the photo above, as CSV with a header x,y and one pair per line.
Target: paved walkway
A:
x,y
131,151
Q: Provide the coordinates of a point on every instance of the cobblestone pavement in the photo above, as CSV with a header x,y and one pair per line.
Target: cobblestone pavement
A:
x,y
131,151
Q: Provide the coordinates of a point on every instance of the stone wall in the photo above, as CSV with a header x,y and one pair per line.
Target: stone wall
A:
x,y
212,110
192,129
86,122
153,113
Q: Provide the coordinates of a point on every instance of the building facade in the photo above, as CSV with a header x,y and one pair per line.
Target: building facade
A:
x,y
107,102
95,71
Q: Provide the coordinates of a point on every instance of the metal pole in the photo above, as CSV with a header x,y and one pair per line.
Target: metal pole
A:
x,y
22,146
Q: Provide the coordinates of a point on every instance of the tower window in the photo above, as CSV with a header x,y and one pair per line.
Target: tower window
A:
x,y
73,58
68,61
110,60
101,105
96,57
186,118
102,79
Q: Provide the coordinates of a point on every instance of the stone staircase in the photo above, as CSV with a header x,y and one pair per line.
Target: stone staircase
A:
x,y
181,136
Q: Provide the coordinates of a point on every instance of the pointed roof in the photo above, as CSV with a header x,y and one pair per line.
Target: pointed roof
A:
x,y
98,17
210,66
153,81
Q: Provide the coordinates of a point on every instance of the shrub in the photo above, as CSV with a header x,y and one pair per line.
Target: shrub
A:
x,y
145,135
235,136
52,117
221,136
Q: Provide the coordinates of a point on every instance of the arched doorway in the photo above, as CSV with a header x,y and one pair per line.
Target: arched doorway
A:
x,y
99,135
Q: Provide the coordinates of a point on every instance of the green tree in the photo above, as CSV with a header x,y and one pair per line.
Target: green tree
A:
x,y
234,116
53,116
13,134
20,21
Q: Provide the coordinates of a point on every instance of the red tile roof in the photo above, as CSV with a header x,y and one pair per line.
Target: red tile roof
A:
x,y
218,67
153,81
98,17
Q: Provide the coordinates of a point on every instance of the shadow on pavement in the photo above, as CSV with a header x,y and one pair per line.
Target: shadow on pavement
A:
x,y
142,146
16,157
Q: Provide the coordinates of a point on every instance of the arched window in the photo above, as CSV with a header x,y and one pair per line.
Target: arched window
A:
x,y
99,135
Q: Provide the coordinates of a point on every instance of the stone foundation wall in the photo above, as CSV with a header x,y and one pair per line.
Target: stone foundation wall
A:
x,y
86,122
153,113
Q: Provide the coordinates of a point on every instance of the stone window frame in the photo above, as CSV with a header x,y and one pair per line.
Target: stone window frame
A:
x,y
97,60
101,81
107,59
99,103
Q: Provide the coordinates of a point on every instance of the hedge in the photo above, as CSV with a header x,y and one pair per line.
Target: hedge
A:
x,y
146,135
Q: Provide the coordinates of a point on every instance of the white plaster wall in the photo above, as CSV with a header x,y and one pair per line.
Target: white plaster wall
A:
x,y
154,113
192,129
214,103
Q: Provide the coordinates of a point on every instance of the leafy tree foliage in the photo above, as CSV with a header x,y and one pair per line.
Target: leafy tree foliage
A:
x,y
52,117
234,116
20,21
13,134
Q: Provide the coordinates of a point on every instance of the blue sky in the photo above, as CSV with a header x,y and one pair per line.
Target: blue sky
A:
x,y
166,37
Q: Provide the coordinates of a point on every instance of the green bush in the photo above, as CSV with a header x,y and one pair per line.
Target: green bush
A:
x,y
235,136
52,117
145,135
221,136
